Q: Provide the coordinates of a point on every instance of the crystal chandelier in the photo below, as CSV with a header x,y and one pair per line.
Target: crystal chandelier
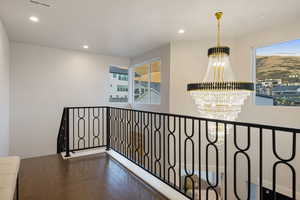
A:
x,y
219,96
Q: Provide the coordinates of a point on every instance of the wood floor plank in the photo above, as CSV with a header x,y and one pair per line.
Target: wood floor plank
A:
x,y
96,177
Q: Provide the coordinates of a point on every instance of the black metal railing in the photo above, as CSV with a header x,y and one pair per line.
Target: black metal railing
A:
x,y
62,140
82,128
201,158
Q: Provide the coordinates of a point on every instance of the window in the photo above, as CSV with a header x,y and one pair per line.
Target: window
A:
x,y
122,88
155,82
118,82
278,74
146,84
141,84
123,77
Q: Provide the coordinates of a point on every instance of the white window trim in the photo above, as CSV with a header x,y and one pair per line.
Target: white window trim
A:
x,y
131,78
253,68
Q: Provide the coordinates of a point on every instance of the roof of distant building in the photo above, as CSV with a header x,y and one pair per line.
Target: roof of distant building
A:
x,y
264,96
285,88
118,70
153,85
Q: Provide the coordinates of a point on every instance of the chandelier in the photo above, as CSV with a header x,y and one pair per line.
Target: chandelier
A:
x,y
219,96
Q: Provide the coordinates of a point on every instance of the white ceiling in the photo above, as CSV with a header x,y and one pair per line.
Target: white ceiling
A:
x,y
131,27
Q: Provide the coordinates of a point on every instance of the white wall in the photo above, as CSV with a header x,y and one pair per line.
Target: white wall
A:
x,y
164,54
4,91
43,81
279,115
189,63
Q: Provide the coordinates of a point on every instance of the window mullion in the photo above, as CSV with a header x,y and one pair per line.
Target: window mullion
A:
x,y
149,82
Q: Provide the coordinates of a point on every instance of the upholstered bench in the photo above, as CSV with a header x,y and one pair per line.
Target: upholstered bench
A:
x,y
9,169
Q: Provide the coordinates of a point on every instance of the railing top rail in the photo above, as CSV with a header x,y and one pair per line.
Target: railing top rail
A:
x,y
234,123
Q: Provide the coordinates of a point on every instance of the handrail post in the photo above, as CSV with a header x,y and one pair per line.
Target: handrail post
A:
x,y
107,128
67,134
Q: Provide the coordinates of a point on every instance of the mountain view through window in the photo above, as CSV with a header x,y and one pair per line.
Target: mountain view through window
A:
x,y
278,74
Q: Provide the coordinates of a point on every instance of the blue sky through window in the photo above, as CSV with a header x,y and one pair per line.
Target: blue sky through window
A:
x,y
290,48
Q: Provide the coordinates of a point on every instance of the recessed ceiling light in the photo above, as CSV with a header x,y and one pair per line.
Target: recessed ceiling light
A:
x,y
34,19
85,46
181,31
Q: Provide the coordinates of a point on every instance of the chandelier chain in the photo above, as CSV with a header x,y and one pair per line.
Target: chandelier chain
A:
x,y
219,16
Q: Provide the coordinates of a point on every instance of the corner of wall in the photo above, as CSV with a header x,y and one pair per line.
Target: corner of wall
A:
x,y
4,91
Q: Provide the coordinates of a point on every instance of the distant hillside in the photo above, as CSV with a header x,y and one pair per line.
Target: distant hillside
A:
x,y
277,67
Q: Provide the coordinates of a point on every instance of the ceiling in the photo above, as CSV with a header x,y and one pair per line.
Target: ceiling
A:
x,y
131,27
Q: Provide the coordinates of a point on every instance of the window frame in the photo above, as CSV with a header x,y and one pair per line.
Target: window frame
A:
x,y
254,70
131,77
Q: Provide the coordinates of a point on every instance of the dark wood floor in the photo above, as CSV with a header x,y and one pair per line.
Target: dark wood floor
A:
x,y
97,177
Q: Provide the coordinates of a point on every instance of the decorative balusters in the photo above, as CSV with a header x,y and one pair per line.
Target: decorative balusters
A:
x,y
128,133
164,147
108,128
170,148
151,142
172,165
96,134
87,127
242,151
212,144
199,158
146,137
136,138
81,120
103,135
117,130
73,128
122,131
141,133
179,150
189,174
157,141
284,161
225,161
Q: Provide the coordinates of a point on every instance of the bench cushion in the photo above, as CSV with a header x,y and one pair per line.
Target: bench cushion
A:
x,y
9,168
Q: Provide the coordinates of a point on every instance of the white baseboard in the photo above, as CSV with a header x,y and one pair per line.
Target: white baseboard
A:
x,y
154,182
83,153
